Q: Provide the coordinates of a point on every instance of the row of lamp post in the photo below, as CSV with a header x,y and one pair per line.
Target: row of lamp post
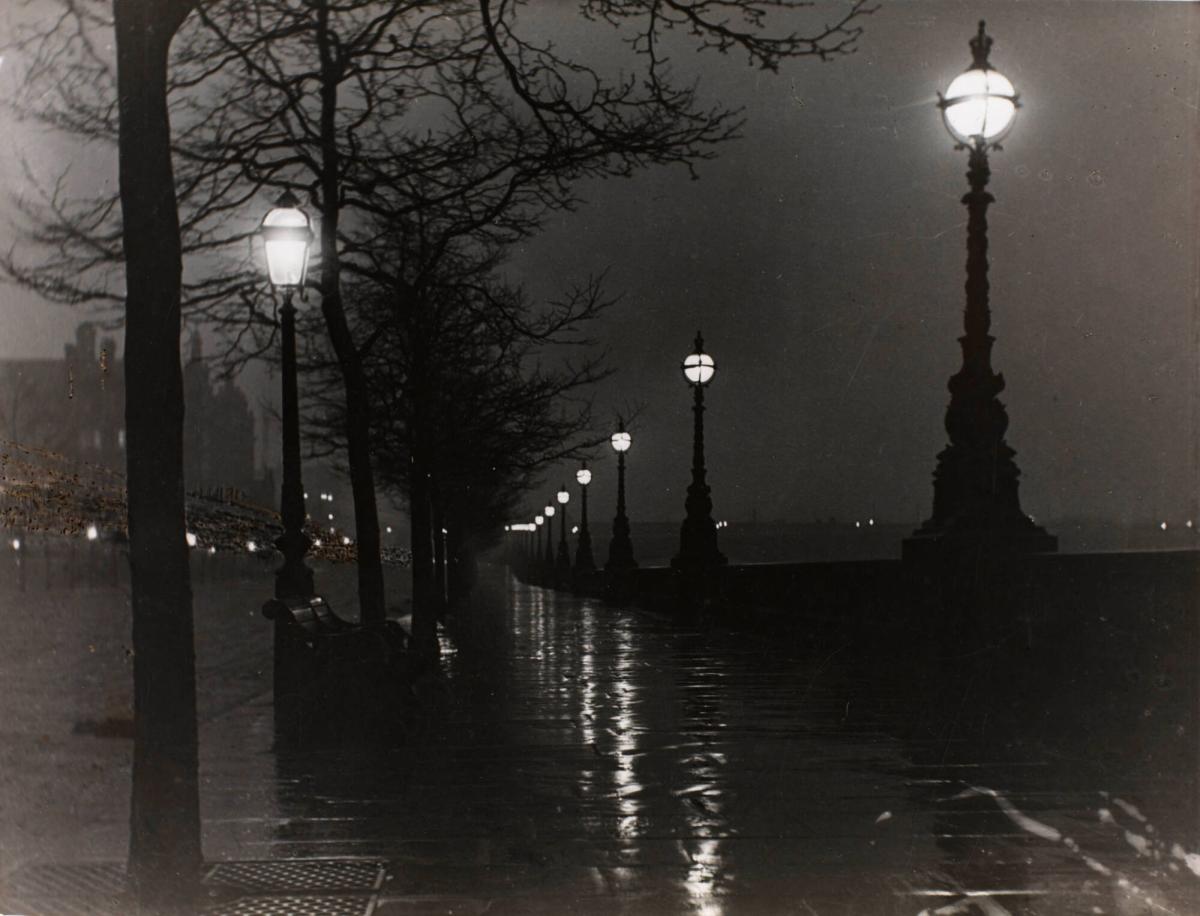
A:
x,y
976,480
975,503
698,536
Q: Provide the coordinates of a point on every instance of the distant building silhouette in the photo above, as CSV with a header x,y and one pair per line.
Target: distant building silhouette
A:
x,y
76,407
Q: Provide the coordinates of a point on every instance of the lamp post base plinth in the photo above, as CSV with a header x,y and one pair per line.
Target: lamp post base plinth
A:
x,y
934,543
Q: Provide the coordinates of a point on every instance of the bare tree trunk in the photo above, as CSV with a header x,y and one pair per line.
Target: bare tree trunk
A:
x,y
164,844
372,609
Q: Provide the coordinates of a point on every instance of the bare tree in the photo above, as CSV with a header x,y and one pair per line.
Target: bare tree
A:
x,y
448,113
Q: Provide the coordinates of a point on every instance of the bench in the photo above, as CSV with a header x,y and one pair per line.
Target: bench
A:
x,y
324,663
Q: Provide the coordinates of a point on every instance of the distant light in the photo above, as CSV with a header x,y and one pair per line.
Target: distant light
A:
x,y
306,495
621,441
563,496
212,550
331,529
251,546
92,532
1189,523
389,530
506,528
583,476
1163,526
16,543
189,537
317,542
538,520
444,531
345,541
870,521
858,524
549,511
331,516
574,529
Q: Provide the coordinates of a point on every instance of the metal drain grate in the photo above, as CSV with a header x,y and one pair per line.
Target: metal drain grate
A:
x,y
66,890
287,887
297,875
295,906
102,879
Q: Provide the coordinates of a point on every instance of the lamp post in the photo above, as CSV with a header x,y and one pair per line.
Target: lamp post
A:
x,y
287,235
698,534
975,499
548,561
583,551
536,564
564,554
620,548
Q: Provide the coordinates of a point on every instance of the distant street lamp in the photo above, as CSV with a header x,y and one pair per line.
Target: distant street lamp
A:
x,y
537,551
549,559
975,500
698,534
287,235
583,551
564,553
620,548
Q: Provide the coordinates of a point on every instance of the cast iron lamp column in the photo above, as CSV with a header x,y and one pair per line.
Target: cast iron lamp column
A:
x,y
535,567
287,235
620,548
564,553
583,551
698,534
548,562
975,484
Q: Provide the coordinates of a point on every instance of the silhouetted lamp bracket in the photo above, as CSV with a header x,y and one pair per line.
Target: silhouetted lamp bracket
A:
x,y
621,441
980,105
287,236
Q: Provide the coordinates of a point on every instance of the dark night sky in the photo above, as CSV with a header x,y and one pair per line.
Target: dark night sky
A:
x,y
823,257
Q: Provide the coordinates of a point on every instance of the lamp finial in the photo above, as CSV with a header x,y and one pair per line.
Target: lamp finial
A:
x,y
981,45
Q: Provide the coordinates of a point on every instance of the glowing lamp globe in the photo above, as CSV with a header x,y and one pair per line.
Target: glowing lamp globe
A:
x,y
538,520
287,235
563,496
583,476
699,368
549,511
621,441
980,105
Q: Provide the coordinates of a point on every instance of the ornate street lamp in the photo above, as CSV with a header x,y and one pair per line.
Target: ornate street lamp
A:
x,y
620,548
583,551
534,566
564,554
287,235
975,484
549,561
698,534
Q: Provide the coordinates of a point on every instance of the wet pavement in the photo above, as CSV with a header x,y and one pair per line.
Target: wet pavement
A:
x,y
584,758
